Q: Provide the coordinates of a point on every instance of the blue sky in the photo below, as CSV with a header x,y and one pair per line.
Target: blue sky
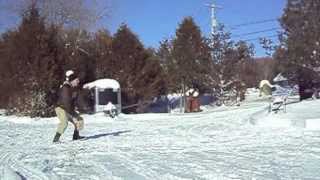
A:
x,y
154,21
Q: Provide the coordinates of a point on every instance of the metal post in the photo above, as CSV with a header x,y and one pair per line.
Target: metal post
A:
x,y
119,101
96,99
181,99
184,96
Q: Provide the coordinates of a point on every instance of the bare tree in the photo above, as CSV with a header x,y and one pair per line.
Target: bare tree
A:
x,y
76,15
80,14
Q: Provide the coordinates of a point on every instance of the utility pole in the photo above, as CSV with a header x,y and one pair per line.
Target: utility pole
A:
x,y
214,21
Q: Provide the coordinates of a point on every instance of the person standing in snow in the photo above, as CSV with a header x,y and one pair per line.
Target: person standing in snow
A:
x,y
65,109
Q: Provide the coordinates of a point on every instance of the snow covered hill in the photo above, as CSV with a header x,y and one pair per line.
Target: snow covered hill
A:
x,y
242,142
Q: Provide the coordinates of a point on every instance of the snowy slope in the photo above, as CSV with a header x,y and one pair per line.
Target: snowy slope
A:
x,y
223,143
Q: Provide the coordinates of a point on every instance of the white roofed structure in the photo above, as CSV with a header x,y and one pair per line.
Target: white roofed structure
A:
x,y
105,91
265,82
279,78
103,84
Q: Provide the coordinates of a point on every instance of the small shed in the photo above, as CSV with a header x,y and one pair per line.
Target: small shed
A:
x,y
265,88
105,91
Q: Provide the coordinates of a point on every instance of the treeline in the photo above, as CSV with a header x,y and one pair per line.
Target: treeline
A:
x,y
35,55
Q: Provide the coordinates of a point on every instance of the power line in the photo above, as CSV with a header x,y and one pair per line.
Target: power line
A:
x,y
255,32
252,23
255,39
196,12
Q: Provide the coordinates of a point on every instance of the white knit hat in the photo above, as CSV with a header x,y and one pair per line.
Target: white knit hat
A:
x,y
69,72
70,75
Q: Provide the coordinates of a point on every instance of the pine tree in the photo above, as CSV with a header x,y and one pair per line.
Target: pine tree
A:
x,y
222,51
135,68
233,63
244,59
298,55
169,65
4,79
103,54
300,43
191,55
32,60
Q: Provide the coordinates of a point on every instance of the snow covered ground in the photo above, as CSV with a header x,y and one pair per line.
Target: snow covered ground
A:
x,y
242,142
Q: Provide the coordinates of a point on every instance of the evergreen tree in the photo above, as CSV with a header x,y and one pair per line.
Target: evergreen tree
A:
x,y
135,68
243,70
221,44
191,55
232,63
31,55
221,48
5,86
103,54
300,43
169,65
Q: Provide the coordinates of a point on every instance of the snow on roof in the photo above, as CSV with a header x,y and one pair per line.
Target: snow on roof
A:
x,y
192,92
265,82
103,84
279,78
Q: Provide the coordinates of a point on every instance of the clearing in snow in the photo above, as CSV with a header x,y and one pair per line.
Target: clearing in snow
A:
x,y
243,142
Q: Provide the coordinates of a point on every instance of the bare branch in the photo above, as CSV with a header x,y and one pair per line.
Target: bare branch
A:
x,y
81,14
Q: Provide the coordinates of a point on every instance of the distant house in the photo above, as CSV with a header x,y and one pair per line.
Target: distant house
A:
x,y
281,80
306,78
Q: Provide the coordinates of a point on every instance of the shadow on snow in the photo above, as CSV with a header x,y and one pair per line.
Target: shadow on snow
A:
x,y
107,134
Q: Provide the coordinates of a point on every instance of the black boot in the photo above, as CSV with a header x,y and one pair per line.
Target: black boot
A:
x,y
76,135
56,137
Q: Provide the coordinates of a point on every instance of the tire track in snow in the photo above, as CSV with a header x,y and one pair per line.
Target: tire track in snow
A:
x,y
209,143
203,131
197,129
136,167
15,148
10,160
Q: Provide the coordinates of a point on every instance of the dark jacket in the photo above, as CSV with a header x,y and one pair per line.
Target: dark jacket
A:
x,y
67,98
